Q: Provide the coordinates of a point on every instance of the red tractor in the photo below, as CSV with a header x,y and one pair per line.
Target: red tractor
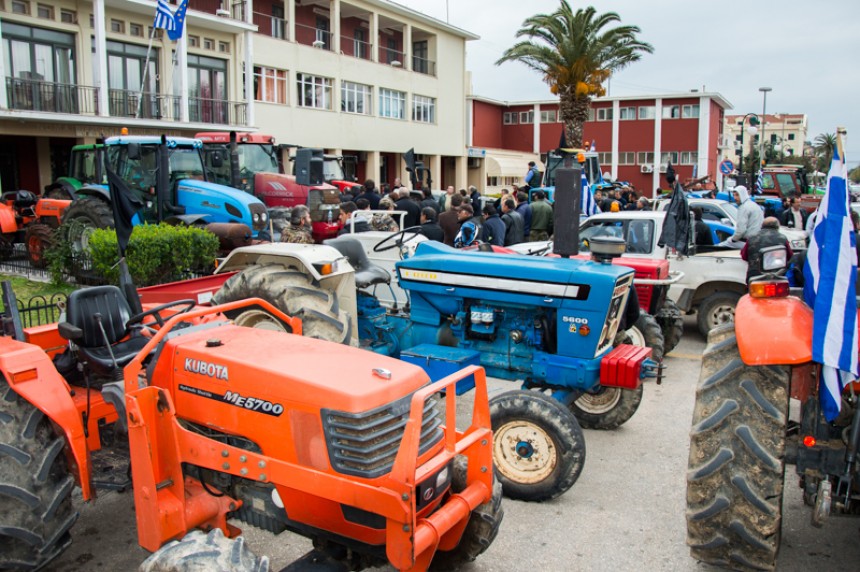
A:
x,y
26,218
252,162
215,421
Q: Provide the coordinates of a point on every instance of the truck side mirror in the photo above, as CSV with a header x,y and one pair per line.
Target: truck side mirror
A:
x,y
216,160
309,167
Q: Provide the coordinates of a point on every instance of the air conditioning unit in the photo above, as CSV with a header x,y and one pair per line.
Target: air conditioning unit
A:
x,y
663,167
646,168
222,13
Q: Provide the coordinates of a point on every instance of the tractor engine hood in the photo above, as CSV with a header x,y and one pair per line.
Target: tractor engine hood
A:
x,y
220,203
279,190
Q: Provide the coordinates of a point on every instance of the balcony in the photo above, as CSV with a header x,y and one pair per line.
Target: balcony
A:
x,y
392,57
218,111
423,65
313,36
355,48
124,103
44,96
271,26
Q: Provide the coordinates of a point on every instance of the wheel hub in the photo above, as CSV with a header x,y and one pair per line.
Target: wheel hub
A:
x,y
524,452
601,401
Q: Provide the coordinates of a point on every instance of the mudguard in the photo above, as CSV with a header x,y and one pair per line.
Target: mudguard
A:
x,y
99,191
7,220
774,331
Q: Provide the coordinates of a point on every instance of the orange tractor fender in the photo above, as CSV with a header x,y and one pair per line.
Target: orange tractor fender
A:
x,y
7,219
32,375
774,331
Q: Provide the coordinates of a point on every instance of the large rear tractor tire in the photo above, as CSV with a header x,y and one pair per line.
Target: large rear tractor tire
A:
x,y
292,292
646,332
202,552
482,528
671,321
538,447
38,238
83,217
606,407
35,486
718,309
736,465
7,245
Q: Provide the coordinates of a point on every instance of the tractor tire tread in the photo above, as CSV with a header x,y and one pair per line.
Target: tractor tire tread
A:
x,y
211,551
671,321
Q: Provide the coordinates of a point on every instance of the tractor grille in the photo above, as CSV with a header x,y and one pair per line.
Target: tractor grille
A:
x,y
365,444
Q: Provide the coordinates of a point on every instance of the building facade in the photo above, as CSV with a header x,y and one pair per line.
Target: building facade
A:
x,y
367,77
785,133
636,137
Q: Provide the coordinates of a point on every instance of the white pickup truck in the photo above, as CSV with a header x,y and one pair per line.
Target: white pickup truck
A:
x,y
711,284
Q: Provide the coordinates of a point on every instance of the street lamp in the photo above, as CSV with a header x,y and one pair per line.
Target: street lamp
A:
x,y
754,120
763,91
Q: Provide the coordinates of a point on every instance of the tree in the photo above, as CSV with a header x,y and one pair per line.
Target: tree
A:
x,y
576,54
824,146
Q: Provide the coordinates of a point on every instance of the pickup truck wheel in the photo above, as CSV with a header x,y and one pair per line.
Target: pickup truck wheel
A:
x,y
607,407
736,464
671,321
212,552
646,333
538,447
482,528
35,486
716,310
292,292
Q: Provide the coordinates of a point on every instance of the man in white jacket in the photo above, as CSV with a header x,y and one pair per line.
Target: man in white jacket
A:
x,y
750,215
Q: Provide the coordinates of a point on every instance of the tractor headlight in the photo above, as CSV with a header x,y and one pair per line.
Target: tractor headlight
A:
x,y
264,217
256,218
442,478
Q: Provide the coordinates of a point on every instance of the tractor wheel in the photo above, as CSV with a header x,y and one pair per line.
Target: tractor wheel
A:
x,y
82,217
716,310
538,447
38,238
482,528
199,551
35,486
646,333
671,321
292,292
606,407
7,245
58,192
737,445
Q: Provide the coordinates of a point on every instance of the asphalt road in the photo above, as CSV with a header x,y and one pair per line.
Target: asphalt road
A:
x,y
626,511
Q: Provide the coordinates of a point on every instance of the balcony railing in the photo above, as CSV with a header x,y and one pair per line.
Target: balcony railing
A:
x,y
423,65
349,46
124,103
33,95
313,36
392,57
219,111
271,26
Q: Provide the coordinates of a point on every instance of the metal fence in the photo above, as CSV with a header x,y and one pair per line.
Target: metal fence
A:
x,y
41,310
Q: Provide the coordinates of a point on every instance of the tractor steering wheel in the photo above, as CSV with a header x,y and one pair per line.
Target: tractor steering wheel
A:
x,y
398,239
187,305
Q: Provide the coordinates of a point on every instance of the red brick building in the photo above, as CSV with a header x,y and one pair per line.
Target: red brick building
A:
x,y
635,136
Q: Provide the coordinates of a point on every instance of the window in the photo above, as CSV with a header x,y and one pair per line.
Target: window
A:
x,y
270,85
639,236
510,118
193,41
359,43
689,157
135,30
626,113
590,114
645,158
668,157
68,17
420,61
279,25
356,98
314,91
548,116
791,136
20,7
605,157
392,104
322,32
208,44
117,26
527,117
391,54
604,114
647,112
45,11
125,65
207,89
224,47
423,109
37,55
154,33
671,111
690,111
627,157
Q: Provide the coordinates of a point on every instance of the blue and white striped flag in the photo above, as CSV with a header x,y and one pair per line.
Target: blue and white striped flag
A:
x,y
759,184
164,16
589,207
830,276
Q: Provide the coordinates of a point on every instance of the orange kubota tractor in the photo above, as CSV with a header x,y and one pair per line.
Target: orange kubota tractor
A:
x,y
27,218
225,422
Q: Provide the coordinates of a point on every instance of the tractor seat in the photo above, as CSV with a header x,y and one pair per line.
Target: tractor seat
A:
x,y
92,346
21,199
366,272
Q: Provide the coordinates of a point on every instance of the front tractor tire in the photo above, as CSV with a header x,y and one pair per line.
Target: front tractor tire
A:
x,y
671,321
646,333
538,447
736,465
35,486
199,551
292,292
83,217
38,238
606,407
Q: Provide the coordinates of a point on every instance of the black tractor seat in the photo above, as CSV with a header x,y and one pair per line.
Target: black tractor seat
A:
x,y
366,272
21,199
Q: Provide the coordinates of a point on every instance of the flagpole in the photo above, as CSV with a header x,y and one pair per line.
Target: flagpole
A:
x,y
145,73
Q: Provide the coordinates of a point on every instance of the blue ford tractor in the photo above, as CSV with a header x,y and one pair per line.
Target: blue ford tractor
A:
x,y
165,175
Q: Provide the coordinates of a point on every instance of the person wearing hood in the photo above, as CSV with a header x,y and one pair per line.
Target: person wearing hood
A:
x,y
750,215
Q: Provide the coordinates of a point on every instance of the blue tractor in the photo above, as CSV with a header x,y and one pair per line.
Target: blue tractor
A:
x,y
565,158
166,175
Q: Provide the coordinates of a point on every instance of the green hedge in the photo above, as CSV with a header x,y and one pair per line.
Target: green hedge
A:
x,y
156,254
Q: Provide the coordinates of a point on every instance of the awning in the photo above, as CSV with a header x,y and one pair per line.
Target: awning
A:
x,y
508,165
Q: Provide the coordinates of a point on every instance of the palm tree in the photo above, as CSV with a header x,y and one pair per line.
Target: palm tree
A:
x,y
824,145
576,55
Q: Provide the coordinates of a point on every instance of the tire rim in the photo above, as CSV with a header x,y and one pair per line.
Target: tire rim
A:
x,y
722,314
34,246
636,337
259,319
524,452
79,236
600,402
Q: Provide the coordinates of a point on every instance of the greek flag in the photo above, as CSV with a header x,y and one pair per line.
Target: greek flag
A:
x,y
164,16
759,184
830,276
178,21
589,207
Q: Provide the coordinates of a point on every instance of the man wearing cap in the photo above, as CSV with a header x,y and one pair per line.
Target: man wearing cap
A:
x,y
769,235
750,215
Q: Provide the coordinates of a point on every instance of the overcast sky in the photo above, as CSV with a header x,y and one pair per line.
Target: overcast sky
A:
x,y
808,52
